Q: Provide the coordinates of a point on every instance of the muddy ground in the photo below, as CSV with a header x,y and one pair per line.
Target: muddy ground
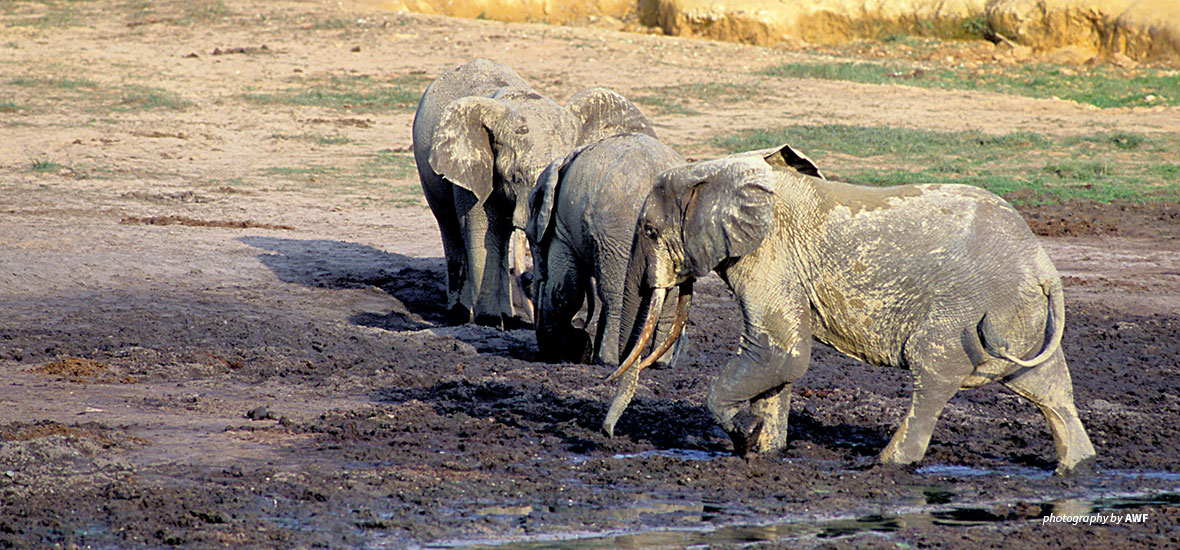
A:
x,y
218,328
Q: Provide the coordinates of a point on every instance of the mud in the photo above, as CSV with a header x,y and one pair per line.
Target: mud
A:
x,y
288,382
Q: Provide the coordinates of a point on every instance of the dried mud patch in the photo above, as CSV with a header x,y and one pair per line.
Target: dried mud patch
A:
x,y
78,369
192,222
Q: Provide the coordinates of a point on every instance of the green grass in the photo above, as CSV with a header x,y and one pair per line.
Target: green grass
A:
x,y
44,165
321,139
675,99
309,172
384,178
1097,167
60,83
204,12
1101,86
146,98
9,107
356,93
664,105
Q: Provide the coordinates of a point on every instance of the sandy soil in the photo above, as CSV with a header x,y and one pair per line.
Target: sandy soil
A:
x,y
269,369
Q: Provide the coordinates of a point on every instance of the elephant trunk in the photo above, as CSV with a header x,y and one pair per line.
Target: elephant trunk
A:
x,y
629,320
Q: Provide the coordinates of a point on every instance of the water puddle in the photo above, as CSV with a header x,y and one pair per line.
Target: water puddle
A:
x,y
787,530
968,471
935,507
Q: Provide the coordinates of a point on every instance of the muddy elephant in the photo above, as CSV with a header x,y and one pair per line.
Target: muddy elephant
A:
x,y
482,135
582,218
944,280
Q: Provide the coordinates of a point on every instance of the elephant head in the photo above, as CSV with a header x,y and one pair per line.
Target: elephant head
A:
x,y
695,219
498,146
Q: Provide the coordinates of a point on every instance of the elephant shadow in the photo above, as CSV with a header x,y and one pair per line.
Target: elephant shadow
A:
x,y
418,284
575,422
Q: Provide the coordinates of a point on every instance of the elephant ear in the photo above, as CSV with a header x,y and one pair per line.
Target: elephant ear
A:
x,y
543,197
602,113
787,157
728,212
461,150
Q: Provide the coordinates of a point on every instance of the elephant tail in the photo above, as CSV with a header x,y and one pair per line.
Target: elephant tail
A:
x,y
996,345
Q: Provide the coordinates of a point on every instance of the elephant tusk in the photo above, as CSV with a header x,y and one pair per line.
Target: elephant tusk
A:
x,y
649,327
682,304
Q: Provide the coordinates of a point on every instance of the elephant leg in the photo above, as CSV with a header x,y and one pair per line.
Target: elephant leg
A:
x,y
761,375
774,353
493,302
1049,387
610,270
939,372
559,297
440,198
516,282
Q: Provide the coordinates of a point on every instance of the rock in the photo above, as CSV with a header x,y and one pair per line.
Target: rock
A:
x,y
1149,29
1072,54
1138,29
768,22
259,413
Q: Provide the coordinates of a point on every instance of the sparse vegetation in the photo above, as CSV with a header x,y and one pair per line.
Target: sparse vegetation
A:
x,y
381,178
673,99
135,98
43,165
357,93
1099,167
1101,86
204,12
61,83
320,139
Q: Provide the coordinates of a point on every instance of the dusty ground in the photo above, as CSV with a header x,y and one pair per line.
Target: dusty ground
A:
x,y
268,369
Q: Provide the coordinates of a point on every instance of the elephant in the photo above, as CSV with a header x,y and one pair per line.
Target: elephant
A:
x,y
582,217
945,280
481,136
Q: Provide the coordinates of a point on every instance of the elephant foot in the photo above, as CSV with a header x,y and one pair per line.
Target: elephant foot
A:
x,y
747,431
494,321
571,345
1084,467
458,314
516,323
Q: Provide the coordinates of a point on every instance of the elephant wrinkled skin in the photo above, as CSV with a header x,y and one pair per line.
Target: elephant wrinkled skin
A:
x,y
945,280
482,135
581,225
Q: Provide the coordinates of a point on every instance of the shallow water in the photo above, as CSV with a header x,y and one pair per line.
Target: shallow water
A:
x,y
935,508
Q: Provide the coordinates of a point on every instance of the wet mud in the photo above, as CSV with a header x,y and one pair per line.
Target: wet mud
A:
x,y
244,418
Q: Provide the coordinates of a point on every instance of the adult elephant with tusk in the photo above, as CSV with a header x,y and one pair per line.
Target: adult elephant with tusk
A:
x,y
582,217
654,300
944,280
482,135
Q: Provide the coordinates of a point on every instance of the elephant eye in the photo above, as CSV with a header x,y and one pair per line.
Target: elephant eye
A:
x,y
650,232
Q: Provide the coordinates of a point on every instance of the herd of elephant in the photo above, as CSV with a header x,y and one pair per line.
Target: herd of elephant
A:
x,y
944,280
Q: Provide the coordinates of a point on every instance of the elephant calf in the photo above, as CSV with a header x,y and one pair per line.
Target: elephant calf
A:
x,y
482,135
945,280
